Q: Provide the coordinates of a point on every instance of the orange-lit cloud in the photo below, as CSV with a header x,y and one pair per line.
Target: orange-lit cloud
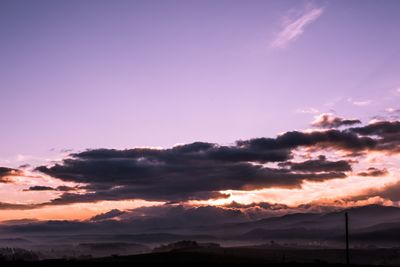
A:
x,y
319,167
79,211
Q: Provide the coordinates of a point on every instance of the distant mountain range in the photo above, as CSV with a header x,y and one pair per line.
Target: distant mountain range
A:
x,y
373,224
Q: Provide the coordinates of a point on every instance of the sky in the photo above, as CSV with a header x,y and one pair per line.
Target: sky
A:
x,y
116,104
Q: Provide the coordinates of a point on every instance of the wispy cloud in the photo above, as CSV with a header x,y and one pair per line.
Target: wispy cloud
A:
x,y
294,26
359,103
392,110
307,110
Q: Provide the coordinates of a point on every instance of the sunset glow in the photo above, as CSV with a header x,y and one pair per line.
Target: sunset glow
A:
x,y
256,124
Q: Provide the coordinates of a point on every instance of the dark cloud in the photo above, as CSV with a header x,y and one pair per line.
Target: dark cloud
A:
x,y
14,206
391,192
335,139
49,188
175,182
319,165
40,188
66,188
5,173
387,132
108,215
328,120
200,170
380,128
388,192
373,172
24,166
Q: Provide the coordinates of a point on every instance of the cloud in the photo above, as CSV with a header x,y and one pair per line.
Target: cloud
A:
x,y
373,172
359,103
379,128
49,188
200,170
16,206
7,173
332,138
393,113
328,120
389,192
108,215
392,110
388,133
40,188
294,26
319,165
308,110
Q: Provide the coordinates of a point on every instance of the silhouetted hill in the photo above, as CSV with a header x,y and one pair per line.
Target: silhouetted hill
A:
x,y
287,234
14,241
104,249
161,237
360,217
371,223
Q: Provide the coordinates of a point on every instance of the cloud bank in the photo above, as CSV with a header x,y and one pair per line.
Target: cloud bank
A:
x,y
201,171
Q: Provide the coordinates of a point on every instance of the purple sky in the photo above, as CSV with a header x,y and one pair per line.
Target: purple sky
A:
x,y
120,74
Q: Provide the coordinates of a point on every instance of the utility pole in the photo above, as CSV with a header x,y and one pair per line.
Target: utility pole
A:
x,y
346,217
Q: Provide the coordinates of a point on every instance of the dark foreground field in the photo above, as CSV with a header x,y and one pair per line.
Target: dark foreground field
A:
x,y
236,256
